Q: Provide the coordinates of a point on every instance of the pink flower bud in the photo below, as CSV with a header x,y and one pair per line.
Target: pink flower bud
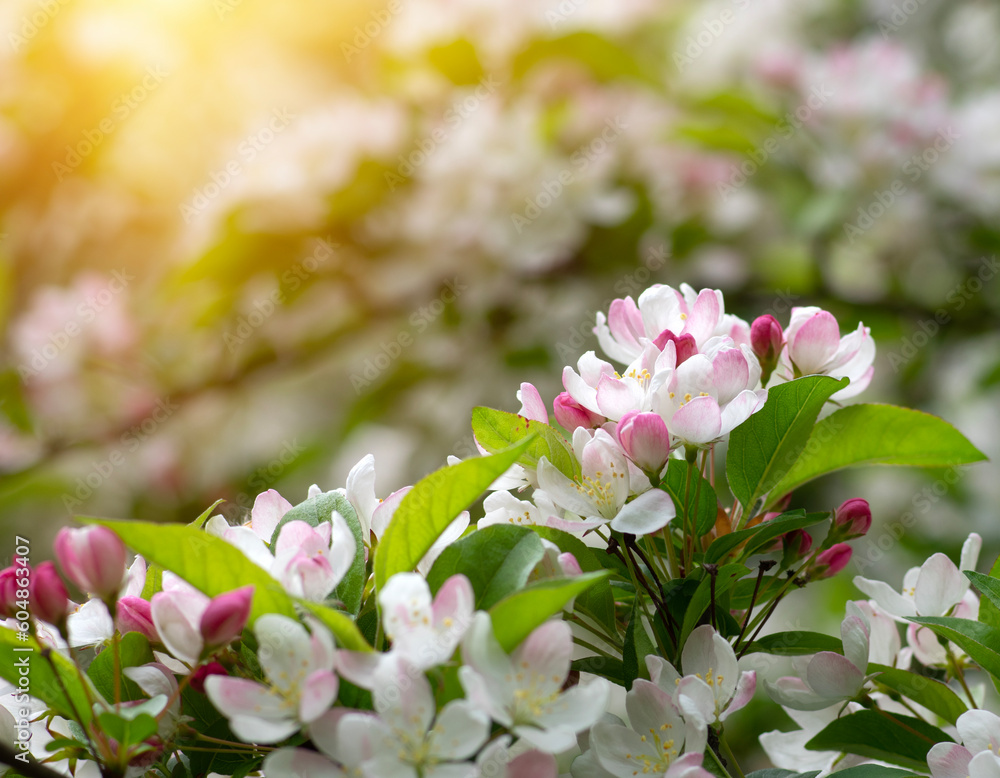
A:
x,y
198,677
833,560
798,542
766,337
686,345
136,615
93,559
8,591
645,439
225,617
49,598
569,565
855,516
570,414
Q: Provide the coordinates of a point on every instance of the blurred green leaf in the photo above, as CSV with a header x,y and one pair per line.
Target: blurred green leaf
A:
x,y
901,740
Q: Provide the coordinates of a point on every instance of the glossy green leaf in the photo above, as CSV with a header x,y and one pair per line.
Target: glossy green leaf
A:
x,y
497,560
598,602
796,644
516,616
45,683
766,446
496,431
928,692
878,435
432,504
699,503
989,610
134,651
900,740
606,667
724,580
989,587
980,641
761,535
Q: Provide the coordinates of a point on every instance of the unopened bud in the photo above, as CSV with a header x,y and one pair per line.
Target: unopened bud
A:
x,y
854,516
570,414
766,338
49,598
832,561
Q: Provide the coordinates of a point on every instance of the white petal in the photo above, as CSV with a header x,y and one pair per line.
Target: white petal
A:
x,y
649,512
887,598
459,731
940,586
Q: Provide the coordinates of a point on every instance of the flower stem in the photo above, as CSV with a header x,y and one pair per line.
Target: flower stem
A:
x,y
728,752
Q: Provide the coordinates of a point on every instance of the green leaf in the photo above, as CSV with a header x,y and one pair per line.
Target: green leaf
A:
x,y
725,578
606,59
431,505
214,566
989,612
516,616
980,641
496,431
901,740
207,562
199,523
637,646
598,601
127,727
606,667
43,682
775,772
761,535
702,505
134,651
878,435
796,644
990,587
497,560
874,771
928,692
766,446
314,512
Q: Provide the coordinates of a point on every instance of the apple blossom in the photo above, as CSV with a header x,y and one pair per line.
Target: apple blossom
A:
x,y
301,684
813,346
570,414
176,613
225,617
91,623
373,514
645,440
979,754
932,589
787,750
268,509
523,691
49,598
712,686
502,507
310,561
829,677
134,614
92,558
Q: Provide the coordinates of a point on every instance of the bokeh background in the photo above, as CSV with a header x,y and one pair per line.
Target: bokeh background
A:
x,y
244,243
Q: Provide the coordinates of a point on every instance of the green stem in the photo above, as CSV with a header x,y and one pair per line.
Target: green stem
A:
x,y
615,642
960,677
724,745
711,752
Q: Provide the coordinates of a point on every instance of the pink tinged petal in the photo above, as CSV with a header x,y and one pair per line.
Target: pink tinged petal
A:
x,y
684,347
766,338
136,615
834,676
619,750
252,729
403,699
925,646
649,512
697,422
645,439
319,691
267,511
705,315
92,558
226,615
569,564
241,696
546,654
135,580
454,605
815,343
856,638
300,763
532,406
731,373
980,731
940,586
741,408
574,525
571,415
359,738
153,678
359,667
662,673
533,764
616,397
745,689
576,709
296,536
284,649
459,730
253,548
688,766
176,616
792,692
650,707
887,598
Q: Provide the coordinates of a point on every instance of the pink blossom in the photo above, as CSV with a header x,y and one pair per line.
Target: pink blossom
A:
x,y
93,559
49,598
225,617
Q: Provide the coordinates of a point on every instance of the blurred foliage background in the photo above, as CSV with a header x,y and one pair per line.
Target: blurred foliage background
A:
x,y
245,243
